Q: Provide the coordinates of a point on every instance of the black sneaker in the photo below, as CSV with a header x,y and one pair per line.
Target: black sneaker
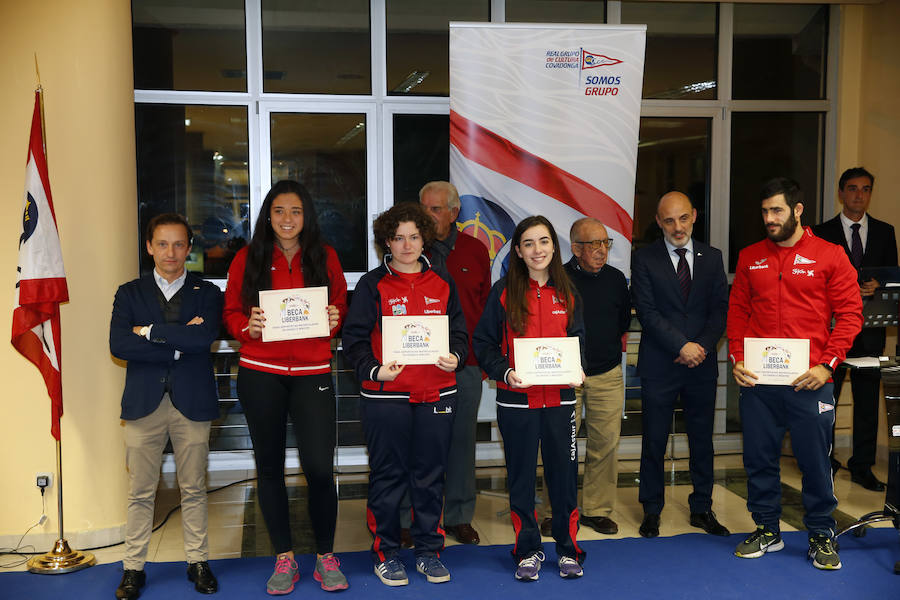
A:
x,y
760,541
823,552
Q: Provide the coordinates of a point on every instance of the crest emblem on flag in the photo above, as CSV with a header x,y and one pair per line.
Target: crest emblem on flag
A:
x,y
41,283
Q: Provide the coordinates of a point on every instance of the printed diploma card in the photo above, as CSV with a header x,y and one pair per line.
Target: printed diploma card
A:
x,y
414,340
548,361
295,313
776,361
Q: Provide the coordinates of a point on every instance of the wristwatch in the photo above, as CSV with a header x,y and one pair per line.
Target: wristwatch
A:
x,y
827,366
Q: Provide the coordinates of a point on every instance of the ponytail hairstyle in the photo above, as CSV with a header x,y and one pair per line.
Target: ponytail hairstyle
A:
x,y
258,271
517,312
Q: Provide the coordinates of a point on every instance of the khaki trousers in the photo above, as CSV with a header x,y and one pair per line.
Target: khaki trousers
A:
x,y
603,399
145,440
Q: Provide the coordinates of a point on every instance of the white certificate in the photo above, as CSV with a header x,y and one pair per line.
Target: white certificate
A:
x,y
548,361
776,361
295,313
415,340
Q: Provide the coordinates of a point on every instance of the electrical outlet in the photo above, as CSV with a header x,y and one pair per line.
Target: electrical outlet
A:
x,y
44,480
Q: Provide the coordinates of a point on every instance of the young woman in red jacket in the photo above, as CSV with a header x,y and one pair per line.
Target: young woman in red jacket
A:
x,y
407,410
534,299
290,378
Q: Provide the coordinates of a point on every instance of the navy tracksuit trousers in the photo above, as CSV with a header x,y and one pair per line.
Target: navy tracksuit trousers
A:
x,y
408,445
767,412
554,429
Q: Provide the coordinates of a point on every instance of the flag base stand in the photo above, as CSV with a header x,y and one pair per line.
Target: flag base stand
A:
x,y
61,559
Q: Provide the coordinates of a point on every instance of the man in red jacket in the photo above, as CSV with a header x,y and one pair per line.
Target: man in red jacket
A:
x,y
467,261
791,285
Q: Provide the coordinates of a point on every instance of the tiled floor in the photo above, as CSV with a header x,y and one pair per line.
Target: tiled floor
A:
x,y
232,533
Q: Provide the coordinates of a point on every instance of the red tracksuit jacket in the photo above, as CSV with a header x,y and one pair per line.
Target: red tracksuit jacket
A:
x,y
493,343
383,292
287,357
794,293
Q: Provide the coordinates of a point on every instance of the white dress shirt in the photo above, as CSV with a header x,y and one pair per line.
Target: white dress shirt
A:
x,y
846,222
688,256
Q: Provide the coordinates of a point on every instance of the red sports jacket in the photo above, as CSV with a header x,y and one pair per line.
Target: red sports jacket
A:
x,y
794,293
287,357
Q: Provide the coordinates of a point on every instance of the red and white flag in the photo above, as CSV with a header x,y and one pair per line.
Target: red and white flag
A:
x,y
41,280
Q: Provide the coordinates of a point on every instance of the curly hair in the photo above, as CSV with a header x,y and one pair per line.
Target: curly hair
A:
x,y
385,226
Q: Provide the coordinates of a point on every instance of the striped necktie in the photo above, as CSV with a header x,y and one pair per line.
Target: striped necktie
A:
x,y
683,273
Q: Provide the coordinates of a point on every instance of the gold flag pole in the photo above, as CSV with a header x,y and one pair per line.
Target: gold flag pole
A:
x,y
62,559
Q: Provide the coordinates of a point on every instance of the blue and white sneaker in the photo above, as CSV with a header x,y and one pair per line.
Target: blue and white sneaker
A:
x,y
569,567
391,572
529,567
432,568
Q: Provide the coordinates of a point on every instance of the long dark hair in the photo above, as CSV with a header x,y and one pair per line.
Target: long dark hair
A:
x,y
517,277
258,271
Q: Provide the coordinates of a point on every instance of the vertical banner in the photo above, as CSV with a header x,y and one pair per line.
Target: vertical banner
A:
x,y
41,279
544,120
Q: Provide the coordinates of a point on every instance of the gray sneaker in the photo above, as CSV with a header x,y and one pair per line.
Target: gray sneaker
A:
x,y
760,541
432,568
529,567
569,567
285,576
823,552
391,572
328,573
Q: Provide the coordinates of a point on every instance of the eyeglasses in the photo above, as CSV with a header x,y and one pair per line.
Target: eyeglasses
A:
x,y
597,244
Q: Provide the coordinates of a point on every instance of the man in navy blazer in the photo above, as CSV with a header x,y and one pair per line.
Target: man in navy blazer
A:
x,y
163,324
680,293
876,247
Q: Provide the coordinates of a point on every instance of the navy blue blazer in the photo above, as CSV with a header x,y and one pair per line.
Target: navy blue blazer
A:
x,y
881,251
667,321
152,362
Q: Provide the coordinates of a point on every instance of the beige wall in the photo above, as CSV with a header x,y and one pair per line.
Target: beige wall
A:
x,y
869,131
84,53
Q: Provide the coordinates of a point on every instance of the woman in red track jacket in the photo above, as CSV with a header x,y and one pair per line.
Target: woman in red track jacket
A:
x,y
291,377
407,410
535,299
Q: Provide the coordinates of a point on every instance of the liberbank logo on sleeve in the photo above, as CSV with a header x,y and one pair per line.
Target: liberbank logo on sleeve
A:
x,y
595,84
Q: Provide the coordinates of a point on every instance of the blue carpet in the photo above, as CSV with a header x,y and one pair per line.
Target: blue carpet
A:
x,y
685,566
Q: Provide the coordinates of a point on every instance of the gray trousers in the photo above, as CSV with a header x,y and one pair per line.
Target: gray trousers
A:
x,y
459,487
145,440
459,484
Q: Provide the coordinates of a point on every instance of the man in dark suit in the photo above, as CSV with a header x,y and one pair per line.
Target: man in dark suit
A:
x,y
680,293
869,243
163,324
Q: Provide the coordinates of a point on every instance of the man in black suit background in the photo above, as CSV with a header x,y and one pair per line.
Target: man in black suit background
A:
x,y
869,243
680,293
163,324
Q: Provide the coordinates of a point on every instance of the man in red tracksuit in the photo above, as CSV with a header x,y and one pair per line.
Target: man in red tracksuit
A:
x,y
791,285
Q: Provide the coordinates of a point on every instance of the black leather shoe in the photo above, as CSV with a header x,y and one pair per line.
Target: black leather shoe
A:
x,y
835,467
649,526
707,521
131,584
600,524
547,527
406,540
203,578
868,480
464,533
